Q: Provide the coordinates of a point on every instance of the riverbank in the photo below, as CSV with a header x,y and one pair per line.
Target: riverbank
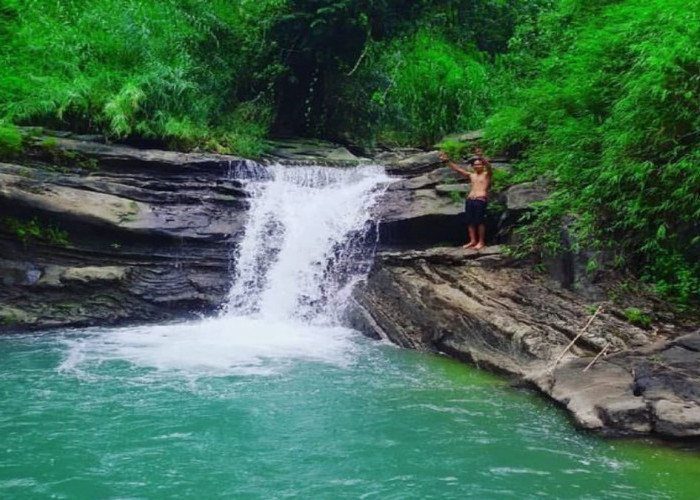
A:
x,y
485,309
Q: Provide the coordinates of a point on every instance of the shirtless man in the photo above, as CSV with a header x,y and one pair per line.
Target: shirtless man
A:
x,y
475,206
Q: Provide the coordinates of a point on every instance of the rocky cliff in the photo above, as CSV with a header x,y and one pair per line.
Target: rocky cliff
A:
x,y
92,233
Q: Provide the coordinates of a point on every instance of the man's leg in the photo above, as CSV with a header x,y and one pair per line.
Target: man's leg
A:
x,y
472,237
482,237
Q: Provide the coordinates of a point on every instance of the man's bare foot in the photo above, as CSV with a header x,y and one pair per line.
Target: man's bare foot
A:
x,y
478,246
468,245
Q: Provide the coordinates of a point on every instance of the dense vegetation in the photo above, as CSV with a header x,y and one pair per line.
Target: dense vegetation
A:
x,y
190,72
218,74
599,97
608,110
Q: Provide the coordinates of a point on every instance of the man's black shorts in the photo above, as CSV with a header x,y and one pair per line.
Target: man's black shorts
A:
x,y
475,211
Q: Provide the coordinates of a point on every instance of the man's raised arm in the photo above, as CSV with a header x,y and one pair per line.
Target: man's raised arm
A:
x,y
454,166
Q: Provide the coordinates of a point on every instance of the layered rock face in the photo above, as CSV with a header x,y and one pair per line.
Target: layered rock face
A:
x,y
101,234
497,313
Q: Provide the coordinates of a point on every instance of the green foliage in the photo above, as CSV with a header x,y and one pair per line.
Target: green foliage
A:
x,y
10,141
608,110
638,317
175,69
456,197
454,149
416,89
339,75
188,71
434,88
500,180
28,231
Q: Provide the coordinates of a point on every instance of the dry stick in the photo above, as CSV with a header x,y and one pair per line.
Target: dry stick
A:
x,y
362,56
602,351
554,365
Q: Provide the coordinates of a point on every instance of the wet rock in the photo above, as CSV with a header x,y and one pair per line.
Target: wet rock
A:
x,y
341,154
94,274
131,160
477,299
425,181
419,217
447,189
690,342
676,418
312,151
415,164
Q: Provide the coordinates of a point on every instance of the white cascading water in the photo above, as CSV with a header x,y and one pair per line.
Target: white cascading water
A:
x,y
305,242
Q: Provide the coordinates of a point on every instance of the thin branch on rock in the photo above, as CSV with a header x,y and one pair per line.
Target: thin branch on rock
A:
x,y
601,353
571,344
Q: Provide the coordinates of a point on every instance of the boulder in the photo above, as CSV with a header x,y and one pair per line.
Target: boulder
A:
x,y
479,298
521,196
676,418
448,189
311,151
419,217
94,274
414,164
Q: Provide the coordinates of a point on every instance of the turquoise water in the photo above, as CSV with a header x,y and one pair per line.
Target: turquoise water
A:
x,y
239,409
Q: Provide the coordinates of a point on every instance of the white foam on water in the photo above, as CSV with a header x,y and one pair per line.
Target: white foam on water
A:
x,y
215,347
294,267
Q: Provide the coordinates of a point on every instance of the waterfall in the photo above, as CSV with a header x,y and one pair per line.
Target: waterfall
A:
x,y
308,239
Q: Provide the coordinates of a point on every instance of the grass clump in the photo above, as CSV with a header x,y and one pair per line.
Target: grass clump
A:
x,y
31,230
637,317
10,141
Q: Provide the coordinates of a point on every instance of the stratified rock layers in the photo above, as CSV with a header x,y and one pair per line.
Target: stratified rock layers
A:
x,y
485,309
144,235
